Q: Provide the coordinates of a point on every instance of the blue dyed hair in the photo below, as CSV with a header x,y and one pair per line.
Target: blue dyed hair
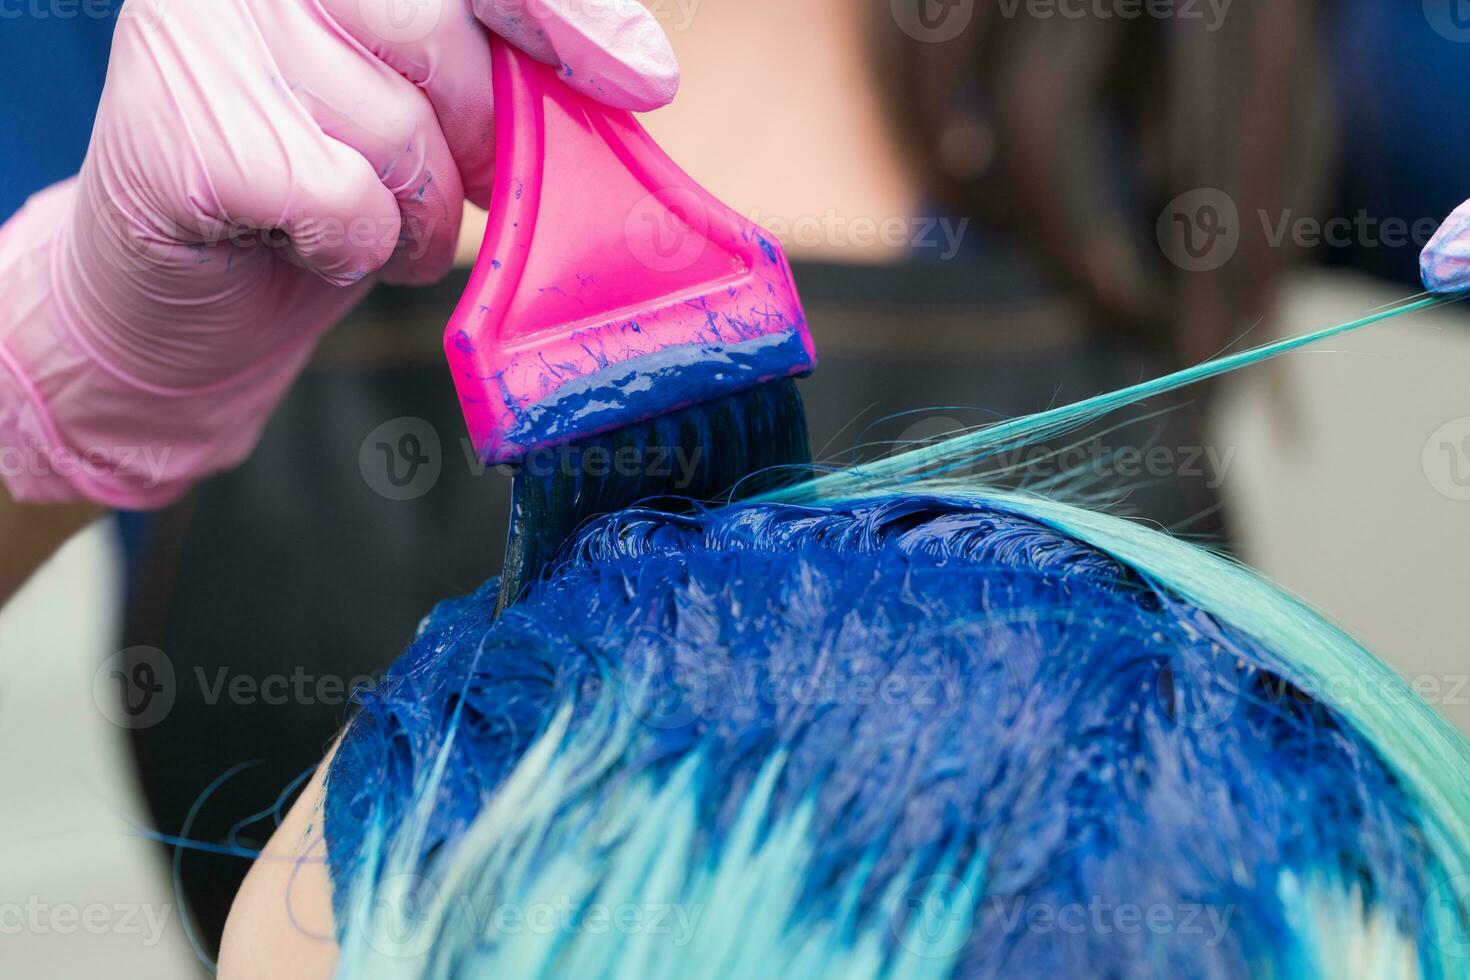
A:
x,y
867,727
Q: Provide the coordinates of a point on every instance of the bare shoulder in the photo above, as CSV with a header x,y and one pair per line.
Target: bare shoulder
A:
x,y
281,923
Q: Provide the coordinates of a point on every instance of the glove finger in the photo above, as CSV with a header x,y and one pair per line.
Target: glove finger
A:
x,y
438,46
1445,263
612,50
358,100
334,217
232,150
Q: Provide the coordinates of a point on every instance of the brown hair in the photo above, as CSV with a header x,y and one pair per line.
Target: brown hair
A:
x,y
1075,134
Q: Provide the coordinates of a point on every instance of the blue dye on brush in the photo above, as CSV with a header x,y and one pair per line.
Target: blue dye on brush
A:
x,y
684,375
613,295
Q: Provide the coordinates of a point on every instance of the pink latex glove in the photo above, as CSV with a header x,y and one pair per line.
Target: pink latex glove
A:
x,y
1445,263
255,166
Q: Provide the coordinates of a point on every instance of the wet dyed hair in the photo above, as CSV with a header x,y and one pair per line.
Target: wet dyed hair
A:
x,y
887,724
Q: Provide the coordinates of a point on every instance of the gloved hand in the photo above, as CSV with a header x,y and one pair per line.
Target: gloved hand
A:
x,y
1445,263
254,167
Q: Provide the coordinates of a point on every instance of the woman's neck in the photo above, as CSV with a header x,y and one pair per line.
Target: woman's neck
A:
x,y
780,116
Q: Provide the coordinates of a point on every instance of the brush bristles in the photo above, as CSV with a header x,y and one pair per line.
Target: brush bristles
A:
x,y
735,447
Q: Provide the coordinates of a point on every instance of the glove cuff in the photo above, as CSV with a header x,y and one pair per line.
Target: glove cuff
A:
x,y
60,413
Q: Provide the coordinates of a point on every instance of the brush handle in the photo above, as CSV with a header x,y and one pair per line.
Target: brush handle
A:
x,y
603,267
594,193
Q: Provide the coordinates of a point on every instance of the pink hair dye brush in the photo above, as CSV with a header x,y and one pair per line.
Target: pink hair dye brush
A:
x,y
624,336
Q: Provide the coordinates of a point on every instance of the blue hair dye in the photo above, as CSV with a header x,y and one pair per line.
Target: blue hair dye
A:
x,y
890,723
912,735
